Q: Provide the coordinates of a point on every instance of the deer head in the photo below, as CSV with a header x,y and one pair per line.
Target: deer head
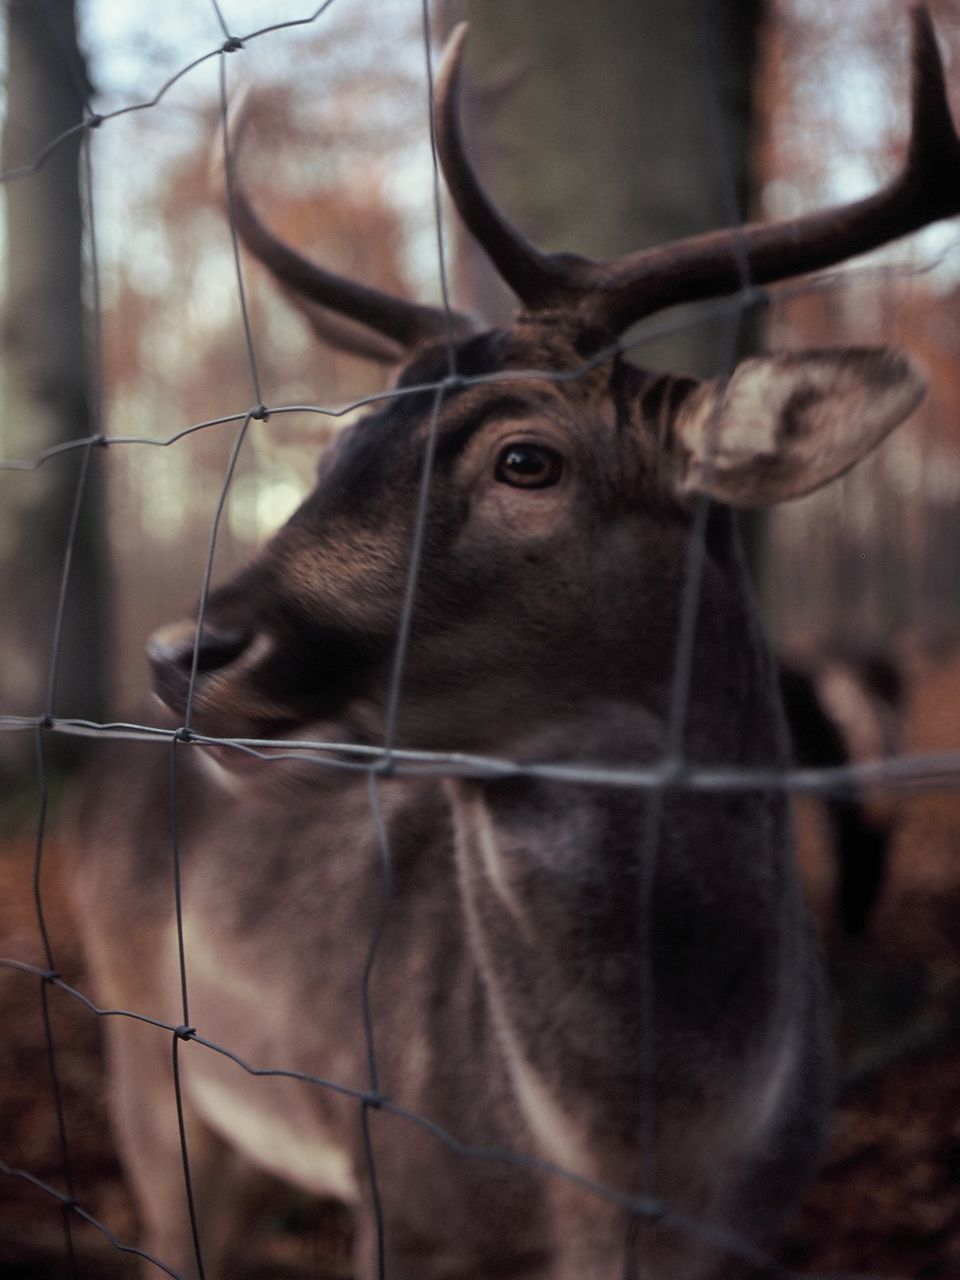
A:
x,y
557,497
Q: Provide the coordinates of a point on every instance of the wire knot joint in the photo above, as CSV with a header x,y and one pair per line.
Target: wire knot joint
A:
x,y
384,766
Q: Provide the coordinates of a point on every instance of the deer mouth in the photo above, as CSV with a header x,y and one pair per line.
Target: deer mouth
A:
x,y
256,747
281,753
253,737
209,682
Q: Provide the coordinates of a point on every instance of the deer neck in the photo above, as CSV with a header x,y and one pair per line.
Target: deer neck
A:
x,y
556,881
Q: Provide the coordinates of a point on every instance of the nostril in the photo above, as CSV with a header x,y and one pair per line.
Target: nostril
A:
x,y
219,648
172,648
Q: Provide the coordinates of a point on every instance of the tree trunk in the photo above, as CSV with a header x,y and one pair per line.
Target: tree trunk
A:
x,y
46,397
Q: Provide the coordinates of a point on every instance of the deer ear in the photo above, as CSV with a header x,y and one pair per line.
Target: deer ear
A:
x,y
783,425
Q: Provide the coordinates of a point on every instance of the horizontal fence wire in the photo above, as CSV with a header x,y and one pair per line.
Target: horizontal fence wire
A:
x,y
900,775
673,773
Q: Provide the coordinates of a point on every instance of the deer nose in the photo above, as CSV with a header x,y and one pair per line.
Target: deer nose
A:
x,y
170,653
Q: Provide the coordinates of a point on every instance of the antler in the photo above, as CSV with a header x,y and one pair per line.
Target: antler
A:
x,y
606,297
346,313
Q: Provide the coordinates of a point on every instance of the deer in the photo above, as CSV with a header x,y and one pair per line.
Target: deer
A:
x,y
595,1040
847,704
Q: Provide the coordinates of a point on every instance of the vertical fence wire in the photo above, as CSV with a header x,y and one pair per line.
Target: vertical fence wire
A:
x,y
404,624
680,678
384,764
185,1032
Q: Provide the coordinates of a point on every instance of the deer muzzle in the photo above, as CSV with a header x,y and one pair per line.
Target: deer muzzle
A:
x,y
171,651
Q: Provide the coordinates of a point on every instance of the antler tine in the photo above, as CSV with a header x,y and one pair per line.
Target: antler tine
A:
x,y
540,280
928,189
349,314
346,335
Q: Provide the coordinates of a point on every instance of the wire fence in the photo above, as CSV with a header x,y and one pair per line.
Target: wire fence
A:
x,y
387,760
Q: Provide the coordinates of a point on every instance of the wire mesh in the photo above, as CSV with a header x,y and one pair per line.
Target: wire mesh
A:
x,y
674,773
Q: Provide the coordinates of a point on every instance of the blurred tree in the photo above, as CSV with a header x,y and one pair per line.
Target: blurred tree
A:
x,y
46,397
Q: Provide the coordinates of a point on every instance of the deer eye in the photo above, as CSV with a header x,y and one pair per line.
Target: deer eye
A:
x,y
528,466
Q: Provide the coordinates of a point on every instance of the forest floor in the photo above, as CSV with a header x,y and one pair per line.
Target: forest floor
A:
x,y
887,1200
